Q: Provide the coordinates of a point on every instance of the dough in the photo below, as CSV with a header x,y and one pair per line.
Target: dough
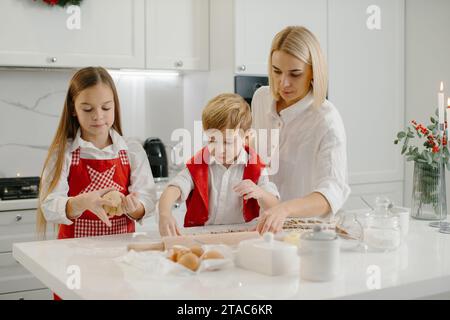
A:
x,y
116,198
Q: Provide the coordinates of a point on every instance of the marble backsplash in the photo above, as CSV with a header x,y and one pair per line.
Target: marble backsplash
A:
x,y
31,102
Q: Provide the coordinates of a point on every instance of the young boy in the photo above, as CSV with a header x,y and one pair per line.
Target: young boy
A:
x,y
225,182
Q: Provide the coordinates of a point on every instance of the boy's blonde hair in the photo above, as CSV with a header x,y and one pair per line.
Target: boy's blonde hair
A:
x,y
227,111
302,44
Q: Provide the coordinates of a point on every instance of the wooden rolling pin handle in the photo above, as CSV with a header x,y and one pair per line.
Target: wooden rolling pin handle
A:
x,y
156,246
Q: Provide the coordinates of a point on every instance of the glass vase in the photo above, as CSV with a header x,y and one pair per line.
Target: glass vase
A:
x,y
427,202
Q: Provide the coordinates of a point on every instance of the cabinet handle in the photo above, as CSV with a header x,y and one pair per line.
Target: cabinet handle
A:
x,y
18,217
53,59
178,64
242,68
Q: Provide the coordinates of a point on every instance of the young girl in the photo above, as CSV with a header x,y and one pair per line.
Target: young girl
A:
x,y
88,158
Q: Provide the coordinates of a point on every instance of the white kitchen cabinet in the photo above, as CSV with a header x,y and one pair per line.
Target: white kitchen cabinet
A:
x,y
42,294
177,34
366,65
257,22
15,281
111,34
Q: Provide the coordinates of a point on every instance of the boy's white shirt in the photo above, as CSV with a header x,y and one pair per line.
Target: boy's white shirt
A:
x,y
225,205
141,179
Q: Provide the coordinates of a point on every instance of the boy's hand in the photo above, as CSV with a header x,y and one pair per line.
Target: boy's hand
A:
x,y
168,225
248,189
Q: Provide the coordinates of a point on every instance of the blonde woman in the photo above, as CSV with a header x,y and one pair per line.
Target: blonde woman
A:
x,y
311,172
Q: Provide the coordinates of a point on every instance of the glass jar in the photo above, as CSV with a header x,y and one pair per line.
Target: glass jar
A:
x,y
350,231
426,199
382,232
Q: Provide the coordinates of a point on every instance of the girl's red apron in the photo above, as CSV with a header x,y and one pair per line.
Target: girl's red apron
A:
x,y
88,175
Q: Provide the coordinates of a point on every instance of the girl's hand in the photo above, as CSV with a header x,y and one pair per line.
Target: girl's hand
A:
x,y
91,201
272,220
130,203
248,189
168,225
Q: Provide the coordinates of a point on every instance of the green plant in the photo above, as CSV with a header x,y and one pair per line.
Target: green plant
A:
x,y
431,150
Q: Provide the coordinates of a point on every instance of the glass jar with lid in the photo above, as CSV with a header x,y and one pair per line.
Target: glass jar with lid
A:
x,y
382,231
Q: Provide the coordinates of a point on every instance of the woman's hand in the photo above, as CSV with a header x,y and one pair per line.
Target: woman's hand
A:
x,y
248,189
168,225
91,201
272,220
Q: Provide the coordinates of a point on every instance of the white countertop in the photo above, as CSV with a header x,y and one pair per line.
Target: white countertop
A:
x,y
420,267
21,204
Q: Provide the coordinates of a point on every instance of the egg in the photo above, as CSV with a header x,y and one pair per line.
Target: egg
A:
x,y
197,250
212,254
178,252
190,261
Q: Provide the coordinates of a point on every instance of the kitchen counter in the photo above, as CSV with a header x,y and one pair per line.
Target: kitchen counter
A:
x,y
419,268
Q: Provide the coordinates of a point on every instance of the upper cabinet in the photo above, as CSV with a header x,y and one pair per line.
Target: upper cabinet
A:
x,y
110,33
257,22
177,34
132,34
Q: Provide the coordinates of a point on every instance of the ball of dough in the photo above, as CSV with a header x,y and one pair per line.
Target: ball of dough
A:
x,y
190,261
116,198
212,254
197,250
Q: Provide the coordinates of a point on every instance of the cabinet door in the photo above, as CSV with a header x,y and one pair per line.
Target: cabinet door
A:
x,y
177,34
14,277
19,226
257,22
366,65
43,294
111,34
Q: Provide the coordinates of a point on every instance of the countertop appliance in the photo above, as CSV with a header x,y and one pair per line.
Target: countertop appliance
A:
x,y
157,156
246,86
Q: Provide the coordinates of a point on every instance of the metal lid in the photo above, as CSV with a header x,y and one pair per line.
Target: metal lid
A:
x,y
318,234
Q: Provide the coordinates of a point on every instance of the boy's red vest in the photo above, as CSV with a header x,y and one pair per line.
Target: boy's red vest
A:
x,y
197,201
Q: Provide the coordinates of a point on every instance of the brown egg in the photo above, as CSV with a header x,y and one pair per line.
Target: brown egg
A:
x,y
190,261
178,252
197,250
213,254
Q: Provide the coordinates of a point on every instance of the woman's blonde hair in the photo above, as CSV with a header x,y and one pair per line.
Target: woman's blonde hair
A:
x,y
67,129
302,44
227,111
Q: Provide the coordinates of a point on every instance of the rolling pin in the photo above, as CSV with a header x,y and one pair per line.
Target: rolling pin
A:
x,y
166,243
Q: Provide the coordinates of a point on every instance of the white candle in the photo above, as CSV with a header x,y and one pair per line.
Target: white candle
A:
x,y
448,113
441,104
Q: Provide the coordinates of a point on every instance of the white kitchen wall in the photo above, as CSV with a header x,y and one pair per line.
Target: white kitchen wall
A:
x,y
427,63
31,102
199,88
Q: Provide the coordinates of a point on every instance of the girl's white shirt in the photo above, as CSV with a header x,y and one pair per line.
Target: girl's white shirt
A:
x,y
141,179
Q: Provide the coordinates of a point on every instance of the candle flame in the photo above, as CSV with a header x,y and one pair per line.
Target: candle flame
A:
x,y
442,86
448,102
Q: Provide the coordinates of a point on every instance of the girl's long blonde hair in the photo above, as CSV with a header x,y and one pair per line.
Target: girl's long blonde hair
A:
x,y
67,129
301,43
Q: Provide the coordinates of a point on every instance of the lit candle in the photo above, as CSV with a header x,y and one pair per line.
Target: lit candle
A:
x,y
441,104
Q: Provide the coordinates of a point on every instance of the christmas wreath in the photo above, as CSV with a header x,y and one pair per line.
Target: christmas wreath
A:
x,y
62,3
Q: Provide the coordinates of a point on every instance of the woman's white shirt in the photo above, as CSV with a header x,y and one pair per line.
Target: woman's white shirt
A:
x,y
311,147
